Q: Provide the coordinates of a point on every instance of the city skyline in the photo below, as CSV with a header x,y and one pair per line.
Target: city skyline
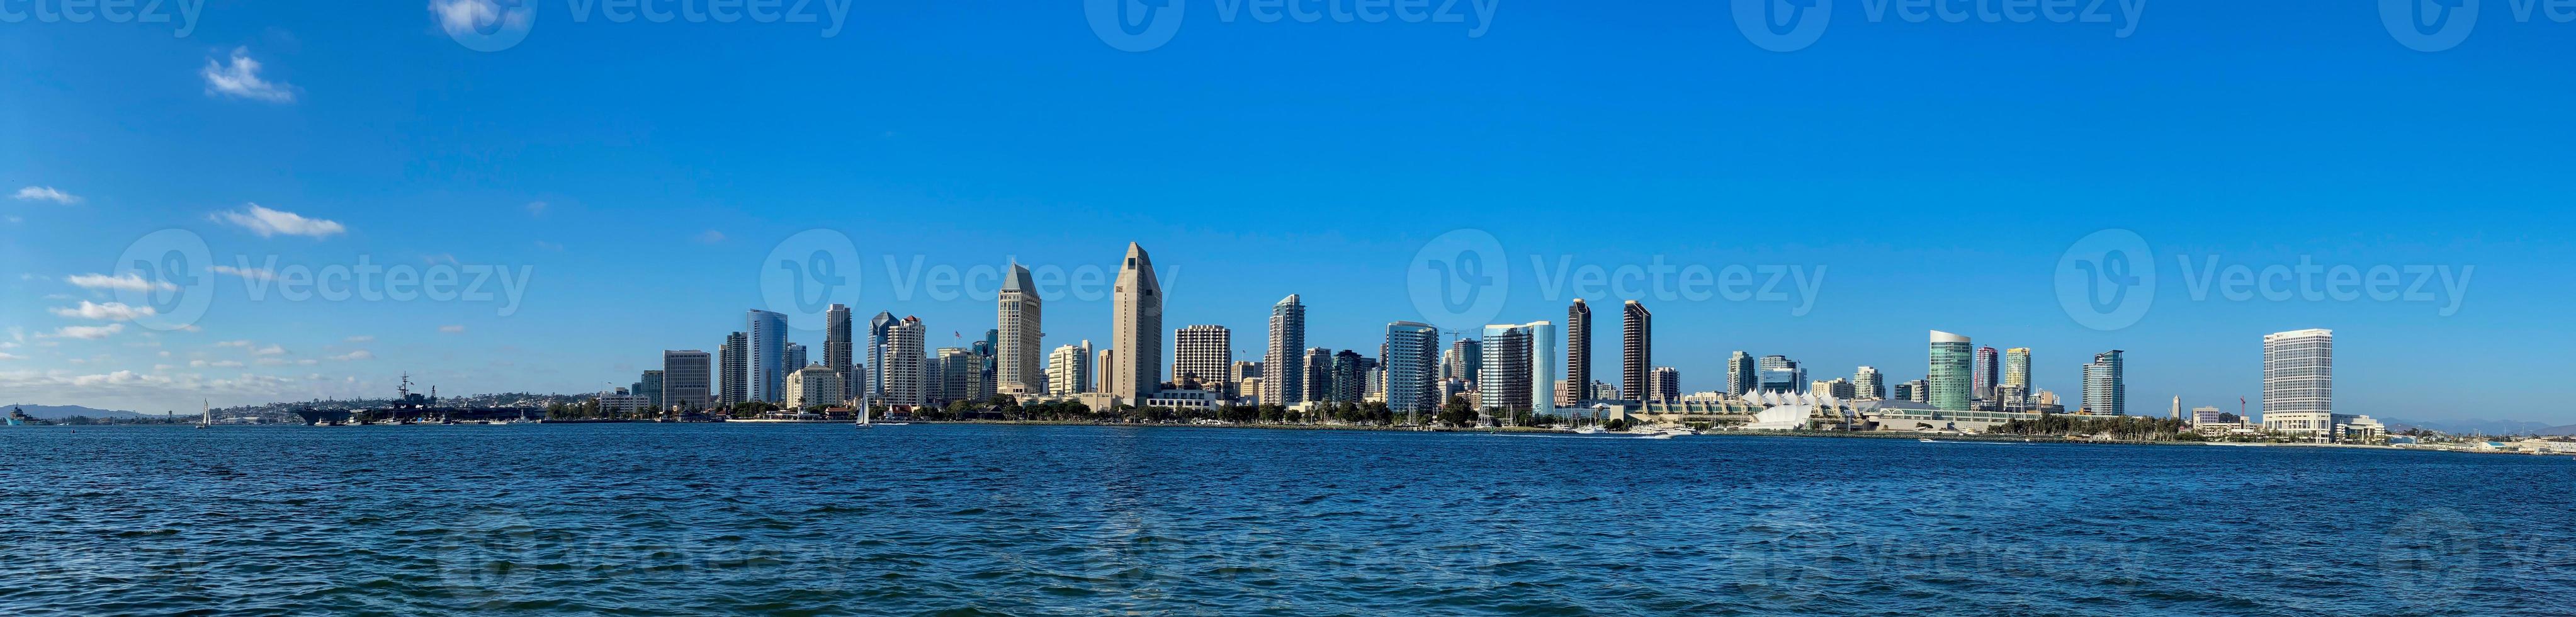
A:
x,y
637,207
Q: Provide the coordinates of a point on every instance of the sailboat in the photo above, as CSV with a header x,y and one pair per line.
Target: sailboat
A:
x,y
208,420
862,422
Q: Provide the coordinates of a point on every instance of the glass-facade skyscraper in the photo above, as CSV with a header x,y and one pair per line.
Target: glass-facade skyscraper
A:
x,y
1412,367
2106,392
1949,380
2298,372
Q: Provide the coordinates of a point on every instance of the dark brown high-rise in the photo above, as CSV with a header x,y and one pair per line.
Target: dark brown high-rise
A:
x,y
1578,356
1637,354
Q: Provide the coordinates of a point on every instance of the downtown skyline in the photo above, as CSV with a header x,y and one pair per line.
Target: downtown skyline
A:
x,y
643,208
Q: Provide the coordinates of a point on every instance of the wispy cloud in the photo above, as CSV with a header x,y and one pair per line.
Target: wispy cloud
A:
x,y
361,339
263,274
269,223
452,329
242,344
271,350
112,311
87,333
711,236
124,282
47,193
7,356
355,356
536,208
239,77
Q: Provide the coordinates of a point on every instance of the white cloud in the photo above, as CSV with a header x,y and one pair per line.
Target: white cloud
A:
x,y
711,236
14,219
125,282
271,350
47,193
463,17
307,362
239,77
361,339
267,223
217,364
270,362
263,274
87,333
242,344
536,208
7,356
355,356
112,311
451,329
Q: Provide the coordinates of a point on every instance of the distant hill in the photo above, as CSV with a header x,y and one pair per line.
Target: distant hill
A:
x,y
58,412
2488,427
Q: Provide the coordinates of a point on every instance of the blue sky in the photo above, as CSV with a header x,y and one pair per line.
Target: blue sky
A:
x,y
1936,173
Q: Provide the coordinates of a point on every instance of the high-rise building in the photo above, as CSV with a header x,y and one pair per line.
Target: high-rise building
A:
x,y
1136,329
796,359
1867,383
1578,353
1604,391
1349,371
961,374
1952,357
2298,373
1838,388
1412,369
736,369
650,387
1100,362
838,350
1919,391
1663,384
1286,383
1319,375
1015,356
1206,352
686,379
1984,374
1636,349
879,328
2106,390
1069,369
902,366
767,355
1521,372
1741,376
1779,374
2017,368
1463,361
1904,391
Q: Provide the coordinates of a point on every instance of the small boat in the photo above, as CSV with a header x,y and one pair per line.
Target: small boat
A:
x,y
1589,430
208,420
1660,436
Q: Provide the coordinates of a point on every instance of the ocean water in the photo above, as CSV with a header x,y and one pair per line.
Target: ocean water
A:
x,y
967,520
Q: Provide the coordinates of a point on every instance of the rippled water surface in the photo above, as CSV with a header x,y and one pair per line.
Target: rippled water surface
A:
x,y
824,519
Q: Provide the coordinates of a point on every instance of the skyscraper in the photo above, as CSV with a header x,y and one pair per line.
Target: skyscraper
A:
x,y
961,374
1776,373
1015,356
767,355
1136,329
650,387
1521,372
736,368
2106,391
1985,373
1578,353
837,345
2017,368
795,359
1319,374
1636,350
1466,358
1069,369
1741,376
1285,384
1349,372
1952,356
2298,373
1412,367
686,379
1204,351
1663,384
903,363
879,327
1869,384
